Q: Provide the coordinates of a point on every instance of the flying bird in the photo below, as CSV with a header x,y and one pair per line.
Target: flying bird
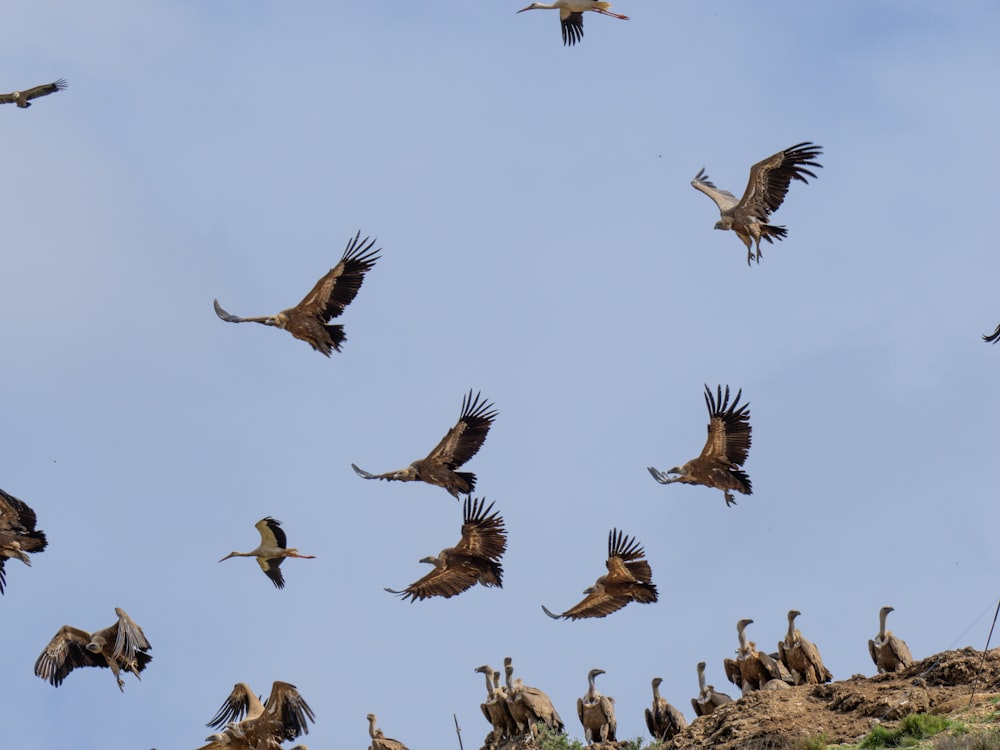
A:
x,y
18,535
993,337
122,647
629,578
571,16
23,98
309,319
271,551
247,723
475,559
461,443
721,460
769,180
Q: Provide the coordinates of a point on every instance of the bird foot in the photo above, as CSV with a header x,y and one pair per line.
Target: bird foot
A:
x,y
730,500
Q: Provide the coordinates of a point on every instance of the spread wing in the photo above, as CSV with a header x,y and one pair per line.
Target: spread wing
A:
x,y
340,285
723,198
483,533
234,708
33,93
465,439
445,580
286,712
230,318
272,569
595,604
993,337
627,559
65,652
770,178
728,428
130,643
572,26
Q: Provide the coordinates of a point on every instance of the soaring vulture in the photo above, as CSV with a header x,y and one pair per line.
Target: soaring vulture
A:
x,y
308,320
122,647
890,654
23,98
801,657
271,551
993,337
596,712
461,443
571,15
495,708
720,464
629,578
769,180
751,669
379,740
663,720
18,535
247,723
529,706
708,699
475,559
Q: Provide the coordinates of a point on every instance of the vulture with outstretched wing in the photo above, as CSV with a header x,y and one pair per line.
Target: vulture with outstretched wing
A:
x,y
992,337
246,721
629,578
475,559
768,185
309,320
23,98
461,443
721,460
18,535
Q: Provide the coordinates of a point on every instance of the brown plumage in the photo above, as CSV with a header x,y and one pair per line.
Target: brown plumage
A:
x,y
890,654
529,706
18,535
629,578
121,646
751,669
663,720
707,699
992,337
309,319
379,740
766,189
495,708
23,98
596,713
272,550
721,460
475,559
461,443
801,656
246,723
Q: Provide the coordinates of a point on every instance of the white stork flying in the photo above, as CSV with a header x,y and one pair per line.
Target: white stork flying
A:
x,y
571,15
272,550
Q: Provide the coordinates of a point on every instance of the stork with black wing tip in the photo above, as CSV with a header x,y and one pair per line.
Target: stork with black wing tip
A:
x,y
272,550
571,15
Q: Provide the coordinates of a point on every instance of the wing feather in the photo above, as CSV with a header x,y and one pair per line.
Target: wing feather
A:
x,y
465,439
722,198
729,433
572,27
65,652
483,533
770,178
338,288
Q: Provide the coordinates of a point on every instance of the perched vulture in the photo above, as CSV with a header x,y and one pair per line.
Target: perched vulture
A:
x,y
993,337
495,708
708,699
571,15
529,706
247,723
596,712
768,185
336,290
379,740
461,443
122,647
629,578
720,464
663,720
23,98
271,551
751,669
18,535
890,654
801,657
475,559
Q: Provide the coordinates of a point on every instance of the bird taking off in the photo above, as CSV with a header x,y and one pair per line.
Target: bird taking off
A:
x,y
571,16
271,551
23,98
18,535
768,185
721,460
309,319
461,443
247,723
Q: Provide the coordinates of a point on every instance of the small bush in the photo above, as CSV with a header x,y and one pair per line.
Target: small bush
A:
x,y
980,741
816,742
911,729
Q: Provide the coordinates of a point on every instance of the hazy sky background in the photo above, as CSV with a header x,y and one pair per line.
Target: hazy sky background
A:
x,y
542,244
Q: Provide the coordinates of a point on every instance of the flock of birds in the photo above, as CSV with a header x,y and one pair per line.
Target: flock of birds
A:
x,y
512,709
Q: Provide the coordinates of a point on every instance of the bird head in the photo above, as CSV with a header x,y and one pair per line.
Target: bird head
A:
x,y
726,222
657,681
533,6
234,553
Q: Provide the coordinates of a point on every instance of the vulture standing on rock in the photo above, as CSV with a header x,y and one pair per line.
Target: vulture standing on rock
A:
x,y
495,709
461,443
529,706
890,654
23,98
801,656
663,720
751,669
720,464
596,712
18,535
708,699
309,319
379,740
768,185
629,578
247,723
475,559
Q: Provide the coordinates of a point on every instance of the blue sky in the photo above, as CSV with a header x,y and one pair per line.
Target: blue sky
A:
x,y
542,244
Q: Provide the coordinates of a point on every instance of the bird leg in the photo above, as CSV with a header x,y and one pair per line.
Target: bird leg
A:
x,y
609,13
730,500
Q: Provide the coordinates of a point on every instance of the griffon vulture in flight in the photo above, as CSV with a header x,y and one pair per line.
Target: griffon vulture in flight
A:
x,y
992,337
460,444
475,559
18,535
890,654
721,460
271,551
122,647
629,578
242,717
769,180
23,98
571,15
308,320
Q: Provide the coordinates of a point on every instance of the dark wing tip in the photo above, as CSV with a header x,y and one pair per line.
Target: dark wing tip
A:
x,y
362,473
228,317
61,85
550,614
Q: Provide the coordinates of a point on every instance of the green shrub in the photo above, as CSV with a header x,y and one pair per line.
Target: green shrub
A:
x,y
989,740
910,730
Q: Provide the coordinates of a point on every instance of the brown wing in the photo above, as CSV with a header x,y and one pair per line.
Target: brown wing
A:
x,y
599,603
728,428
769,178
286,714
483,533
993,337
572,28
465,439
445,580
234,708
624,552
66,651
130,643
340,285
33,93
